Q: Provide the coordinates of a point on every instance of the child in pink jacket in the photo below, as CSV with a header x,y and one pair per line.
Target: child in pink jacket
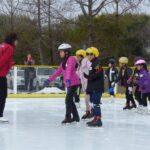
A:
x,y
83,67
71,80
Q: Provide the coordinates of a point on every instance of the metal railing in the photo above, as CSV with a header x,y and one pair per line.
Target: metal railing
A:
x,y
30,79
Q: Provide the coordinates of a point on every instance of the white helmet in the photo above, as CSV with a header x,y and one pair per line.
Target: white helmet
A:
x,y
64,46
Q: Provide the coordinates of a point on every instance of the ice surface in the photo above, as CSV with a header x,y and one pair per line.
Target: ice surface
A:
x,y
49,90
35,125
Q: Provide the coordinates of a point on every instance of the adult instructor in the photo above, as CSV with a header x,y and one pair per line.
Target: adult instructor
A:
x,y
6,62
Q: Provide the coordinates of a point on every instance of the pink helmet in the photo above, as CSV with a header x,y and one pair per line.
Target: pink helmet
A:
x,y
139,62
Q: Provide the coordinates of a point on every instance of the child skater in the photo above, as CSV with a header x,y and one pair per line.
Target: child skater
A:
x,y
83,67
68,68
112,74
124,75
95,86
143,82
134,77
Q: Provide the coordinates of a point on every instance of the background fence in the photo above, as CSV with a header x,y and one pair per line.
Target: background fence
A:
x,y
30,79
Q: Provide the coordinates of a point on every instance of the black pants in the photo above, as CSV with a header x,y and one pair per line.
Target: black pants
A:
x,y
70,105
138,96
3,94
145,97
28,84
95,99
129,97
77,94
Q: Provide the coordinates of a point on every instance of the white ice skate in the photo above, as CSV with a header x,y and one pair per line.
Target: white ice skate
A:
x,y
112,99
78,105
139,109
3,120
143,111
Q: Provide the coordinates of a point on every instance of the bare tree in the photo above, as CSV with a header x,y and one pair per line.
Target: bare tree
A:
x,y
123,6
90,9
47,7
10,8
35,10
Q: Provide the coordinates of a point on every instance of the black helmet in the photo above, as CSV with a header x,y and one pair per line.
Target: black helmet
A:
x,y
112,61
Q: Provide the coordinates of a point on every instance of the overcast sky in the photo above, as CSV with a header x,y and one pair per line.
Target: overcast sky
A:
x,y
144,8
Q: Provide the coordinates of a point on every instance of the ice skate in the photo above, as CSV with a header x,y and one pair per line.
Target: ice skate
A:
x,y
112,99
3,120
96,122
75,119
127,107
133,106
87,115
144,110
90,122
66,121
78,105
139,109
148,111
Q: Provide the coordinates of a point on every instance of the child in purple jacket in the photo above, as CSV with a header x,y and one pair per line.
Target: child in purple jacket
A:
x,y
143,81
68,69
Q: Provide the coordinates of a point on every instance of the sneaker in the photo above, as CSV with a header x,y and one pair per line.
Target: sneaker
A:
x,y
2,119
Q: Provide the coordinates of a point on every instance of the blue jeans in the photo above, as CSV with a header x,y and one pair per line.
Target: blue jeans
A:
x,y
95,99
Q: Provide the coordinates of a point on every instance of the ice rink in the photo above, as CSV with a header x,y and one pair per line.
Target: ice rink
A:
x,y
35,125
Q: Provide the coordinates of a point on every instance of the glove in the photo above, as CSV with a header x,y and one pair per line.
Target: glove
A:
x,y
113,84
68,82
111,90
86,76
46,83
129,80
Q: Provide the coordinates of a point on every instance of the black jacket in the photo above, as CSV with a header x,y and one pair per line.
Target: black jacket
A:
x,y
95,77
124,75
112,75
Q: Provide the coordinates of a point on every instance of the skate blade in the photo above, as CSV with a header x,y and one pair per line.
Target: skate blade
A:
x,y
94,127
4,122
68,124
87,119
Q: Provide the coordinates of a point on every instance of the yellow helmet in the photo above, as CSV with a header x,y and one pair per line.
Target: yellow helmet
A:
x,y
81,52
95,51
123,60
89,50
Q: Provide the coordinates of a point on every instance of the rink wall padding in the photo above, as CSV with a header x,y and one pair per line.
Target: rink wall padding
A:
x,y
54,95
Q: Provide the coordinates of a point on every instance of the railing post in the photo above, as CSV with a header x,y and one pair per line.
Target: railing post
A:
x,y
15,80
116,89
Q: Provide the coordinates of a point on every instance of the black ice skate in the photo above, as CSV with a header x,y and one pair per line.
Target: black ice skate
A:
x,y
127,107
76,119
133,106
87,115
96,122
67,120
